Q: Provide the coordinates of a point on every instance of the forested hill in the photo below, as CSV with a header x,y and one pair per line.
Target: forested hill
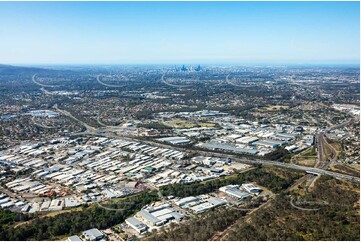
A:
x,y
9,70
17,70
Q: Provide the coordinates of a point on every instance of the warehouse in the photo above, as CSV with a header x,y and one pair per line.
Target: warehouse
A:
x,y
149,218
56,205
136,225
71,202
216,201
234,191
175,140
159,215
200,208
93,235
251,188
210,203
246,140
267,143
230,148
74,238
188,201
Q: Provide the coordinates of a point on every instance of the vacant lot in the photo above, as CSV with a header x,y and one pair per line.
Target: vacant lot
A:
x,y
306,158
180,124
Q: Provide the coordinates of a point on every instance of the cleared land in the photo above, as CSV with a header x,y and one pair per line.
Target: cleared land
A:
x,y
306,158
180,124
345,169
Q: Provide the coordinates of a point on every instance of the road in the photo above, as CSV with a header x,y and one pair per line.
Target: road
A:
x,y
88,127
236,158
107,85
324,162
313,170
303,209
337,126
260,161
172,85
40,84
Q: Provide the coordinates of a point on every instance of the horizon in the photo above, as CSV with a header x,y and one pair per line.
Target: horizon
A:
x,y
248,65
155,33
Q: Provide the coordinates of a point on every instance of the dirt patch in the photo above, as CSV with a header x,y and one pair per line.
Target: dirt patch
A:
x,y
345,169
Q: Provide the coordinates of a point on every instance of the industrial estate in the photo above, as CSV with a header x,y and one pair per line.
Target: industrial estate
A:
x,y
156,150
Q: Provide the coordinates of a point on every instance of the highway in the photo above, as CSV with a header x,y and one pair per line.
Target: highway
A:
x,y
40,84
172,85
108,85
255,161
66,113
236,158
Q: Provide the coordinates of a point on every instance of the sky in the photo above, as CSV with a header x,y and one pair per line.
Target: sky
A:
x,y
179,32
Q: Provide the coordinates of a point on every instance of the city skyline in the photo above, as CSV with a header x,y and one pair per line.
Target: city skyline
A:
x,y
180,32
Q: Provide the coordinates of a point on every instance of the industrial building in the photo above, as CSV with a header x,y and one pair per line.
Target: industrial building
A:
x,y
234,191
229,148
251,188
208,204
157,216
136,225
93,235
175,140
74,238
188,201
247,140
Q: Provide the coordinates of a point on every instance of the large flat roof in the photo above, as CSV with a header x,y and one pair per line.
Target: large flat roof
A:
x,y
148,216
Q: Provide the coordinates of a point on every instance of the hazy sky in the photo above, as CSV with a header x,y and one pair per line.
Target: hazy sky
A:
x,y
179,32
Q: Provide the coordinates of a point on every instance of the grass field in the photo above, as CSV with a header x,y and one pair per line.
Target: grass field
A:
x,y
184,124
207,124
306,158
273,108
180,124
335,147
345,169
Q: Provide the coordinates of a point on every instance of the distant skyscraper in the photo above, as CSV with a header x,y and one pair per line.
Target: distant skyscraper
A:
x,y
184,68
199,68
